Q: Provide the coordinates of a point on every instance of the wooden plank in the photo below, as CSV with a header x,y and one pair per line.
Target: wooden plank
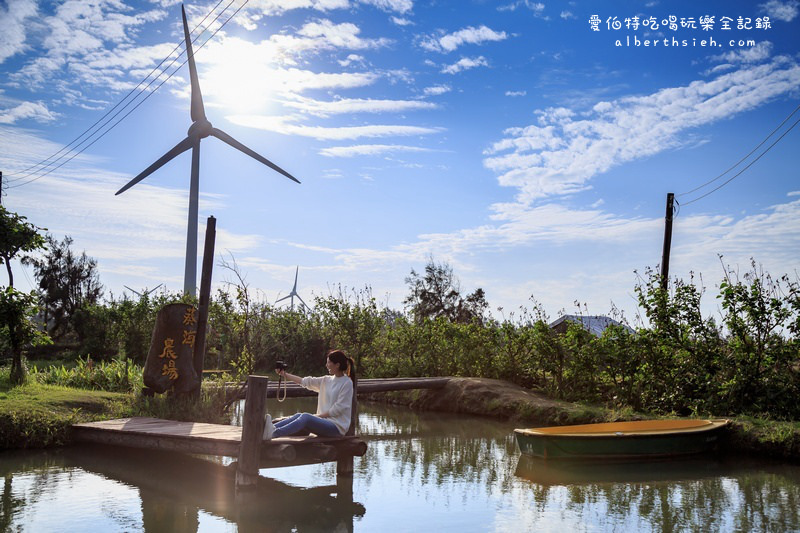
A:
x,y
365,386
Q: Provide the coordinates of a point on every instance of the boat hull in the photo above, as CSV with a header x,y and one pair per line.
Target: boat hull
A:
x,y
622,440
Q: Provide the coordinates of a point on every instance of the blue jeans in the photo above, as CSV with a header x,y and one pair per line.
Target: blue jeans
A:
x,y
305,422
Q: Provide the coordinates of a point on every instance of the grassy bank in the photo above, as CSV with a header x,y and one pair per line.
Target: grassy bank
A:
x,y
37,415
506,401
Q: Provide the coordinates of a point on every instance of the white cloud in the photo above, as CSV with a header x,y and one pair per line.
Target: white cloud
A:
x,y
401,21
398,6
516,93
369,149
285,126
355,105
785,11
469,35
324,35
756,54
562,152
279,7
14,16
465,63
80,33
351,59
27,110
436,90
536,7
567,15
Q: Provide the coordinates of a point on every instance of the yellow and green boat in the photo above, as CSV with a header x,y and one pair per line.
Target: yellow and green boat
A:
x,y
622,440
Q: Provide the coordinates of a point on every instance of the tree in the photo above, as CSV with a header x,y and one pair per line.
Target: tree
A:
x,y
438,294
17,308
17,235
68,283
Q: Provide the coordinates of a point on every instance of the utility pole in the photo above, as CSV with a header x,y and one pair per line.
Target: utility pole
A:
x,y
667,241
1,187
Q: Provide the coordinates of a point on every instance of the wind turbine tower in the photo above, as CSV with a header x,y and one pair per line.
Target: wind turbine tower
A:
x,y
200,129
293,293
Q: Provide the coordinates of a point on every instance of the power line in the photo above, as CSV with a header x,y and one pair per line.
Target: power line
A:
x,y
762,154
745,157
41,171
25,173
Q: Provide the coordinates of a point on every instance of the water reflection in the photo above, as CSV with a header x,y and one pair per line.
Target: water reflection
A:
x,y
421,470
702,494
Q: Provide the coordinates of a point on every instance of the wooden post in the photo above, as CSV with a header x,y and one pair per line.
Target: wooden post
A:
x,y
205,293
344,465
252,430
667,242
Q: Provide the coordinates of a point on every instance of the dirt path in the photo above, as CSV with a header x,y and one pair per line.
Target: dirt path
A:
x,y
495,398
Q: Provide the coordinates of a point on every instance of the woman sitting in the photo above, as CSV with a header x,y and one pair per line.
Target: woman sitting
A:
x,y
334,406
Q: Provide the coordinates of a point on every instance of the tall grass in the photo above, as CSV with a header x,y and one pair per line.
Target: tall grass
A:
x,y
115,376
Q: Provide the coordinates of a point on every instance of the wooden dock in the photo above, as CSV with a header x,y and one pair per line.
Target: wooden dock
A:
x,y
214,439
245,442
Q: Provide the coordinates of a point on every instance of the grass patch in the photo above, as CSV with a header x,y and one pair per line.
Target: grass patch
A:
x,y
769,437
36,415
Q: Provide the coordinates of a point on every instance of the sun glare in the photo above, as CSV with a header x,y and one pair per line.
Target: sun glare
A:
x,y
238,78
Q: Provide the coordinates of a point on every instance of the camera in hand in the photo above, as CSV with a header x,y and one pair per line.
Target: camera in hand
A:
x,y
280,365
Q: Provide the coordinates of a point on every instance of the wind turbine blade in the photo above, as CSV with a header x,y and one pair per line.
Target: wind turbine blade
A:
x,y
224,137
137,293
177,150
284,298
294,289
301,300
198,111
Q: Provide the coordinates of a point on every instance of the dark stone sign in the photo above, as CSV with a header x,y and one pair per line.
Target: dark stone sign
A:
x,y
170,362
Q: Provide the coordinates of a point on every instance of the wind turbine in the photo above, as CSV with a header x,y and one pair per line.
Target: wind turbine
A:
x,y
293,293
144,292
200,129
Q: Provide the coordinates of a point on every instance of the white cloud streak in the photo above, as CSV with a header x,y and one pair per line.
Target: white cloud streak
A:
x,y
14,17
360,105
465,63
561,153
27,110
282,125
783,11
369,150
469,35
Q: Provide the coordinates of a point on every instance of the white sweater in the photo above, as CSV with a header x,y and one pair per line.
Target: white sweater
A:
x,y
335,398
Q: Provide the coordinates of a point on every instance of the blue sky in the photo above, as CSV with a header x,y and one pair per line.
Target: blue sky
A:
x,y
510,139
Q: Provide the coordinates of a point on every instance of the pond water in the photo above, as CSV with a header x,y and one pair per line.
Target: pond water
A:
x,y
423,471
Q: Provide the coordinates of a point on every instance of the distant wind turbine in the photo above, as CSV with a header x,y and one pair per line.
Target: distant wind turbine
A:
x,y
200,129
144,292
293,293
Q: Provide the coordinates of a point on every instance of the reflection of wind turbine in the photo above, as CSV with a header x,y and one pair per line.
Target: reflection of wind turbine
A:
x,y
144,292
293,293
200,129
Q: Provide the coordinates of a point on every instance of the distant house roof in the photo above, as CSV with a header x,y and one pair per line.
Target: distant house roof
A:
x,y
593,324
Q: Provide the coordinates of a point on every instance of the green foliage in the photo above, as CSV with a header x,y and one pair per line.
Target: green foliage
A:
x,y
115,376
210,406
683,363
68,284
16,236
438,294
16,325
